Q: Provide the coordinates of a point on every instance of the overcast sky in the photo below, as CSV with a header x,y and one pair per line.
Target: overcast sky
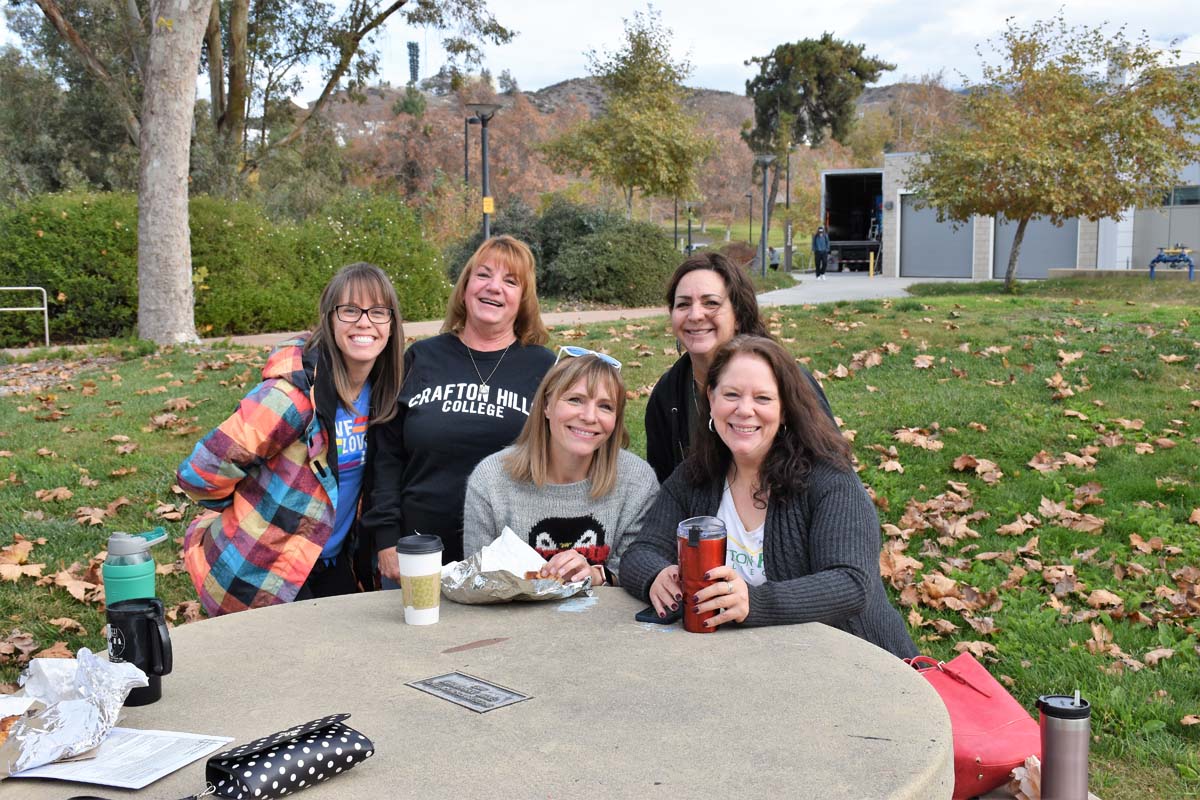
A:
x,y
919,36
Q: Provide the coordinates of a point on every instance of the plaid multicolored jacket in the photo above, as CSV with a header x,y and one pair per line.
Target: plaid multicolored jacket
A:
x,y
271,492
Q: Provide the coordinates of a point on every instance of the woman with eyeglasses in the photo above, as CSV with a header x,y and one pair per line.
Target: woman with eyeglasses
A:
x,y
802,535
467,393
282,476
711,300
566,486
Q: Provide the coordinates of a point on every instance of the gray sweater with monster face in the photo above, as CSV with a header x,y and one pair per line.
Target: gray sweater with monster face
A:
x,y
558,517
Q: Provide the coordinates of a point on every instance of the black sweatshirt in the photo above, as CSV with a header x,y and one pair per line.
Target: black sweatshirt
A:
x,y
447,423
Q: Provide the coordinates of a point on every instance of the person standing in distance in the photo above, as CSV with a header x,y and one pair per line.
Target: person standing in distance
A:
x,y
820,249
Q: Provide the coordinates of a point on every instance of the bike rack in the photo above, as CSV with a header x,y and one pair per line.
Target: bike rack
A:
x,y
44,307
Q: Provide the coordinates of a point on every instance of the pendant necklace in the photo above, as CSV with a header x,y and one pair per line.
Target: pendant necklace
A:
x,y
484,383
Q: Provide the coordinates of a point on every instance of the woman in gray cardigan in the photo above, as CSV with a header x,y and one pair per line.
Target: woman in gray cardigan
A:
x,y
804,538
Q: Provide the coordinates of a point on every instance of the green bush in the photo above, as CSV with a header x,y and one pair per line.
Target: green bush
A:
x,y
516,219
251,275
82,248
564,222
384,231
626,264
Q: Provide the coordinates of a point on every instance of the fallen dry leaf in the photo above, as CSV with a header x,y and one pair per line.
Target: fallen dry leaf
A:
x,y
56,650
1102,598
68,625
1154,656
977,649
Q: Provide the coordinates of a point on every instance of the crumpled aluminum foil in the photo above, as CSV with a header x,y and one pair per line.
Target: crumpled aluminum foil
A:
x,y
465,582
82,698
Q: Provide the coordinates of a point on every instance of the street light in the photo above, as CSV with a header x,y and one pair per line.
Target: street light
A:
x,y
466,155
484,112
763,161
688,205
787,204
750,235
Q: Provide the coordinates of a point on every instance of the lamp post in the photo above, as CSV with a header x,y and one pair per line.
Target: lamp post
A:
x,y
787,204
484,112
750,235
677,224
688,205
763,161
466,153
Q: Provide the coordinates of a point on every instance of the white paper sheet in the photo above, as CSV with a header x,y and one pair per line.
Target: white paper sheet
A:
x,y
133,759
509,553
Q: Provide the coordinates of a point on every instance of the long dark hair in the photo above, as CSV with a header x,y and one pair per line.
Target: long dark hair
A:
x,y
737,286
806,433
388,371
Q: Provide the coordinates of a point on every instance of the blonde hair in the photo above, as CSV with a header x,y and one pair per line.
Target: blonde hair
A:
x,y
388,370
529,459
518,258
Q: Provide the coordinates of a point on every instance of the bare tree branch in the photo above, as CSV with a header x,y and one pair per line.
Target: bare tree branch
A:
x,y
129,118
349,47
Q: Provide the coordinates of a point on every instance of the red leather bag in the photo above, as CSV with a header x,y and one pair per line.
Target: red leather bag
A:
x,y
993,733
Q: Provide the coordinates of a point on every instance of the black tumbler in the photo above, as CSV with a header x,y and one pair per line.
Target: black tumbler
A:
x,y
137,634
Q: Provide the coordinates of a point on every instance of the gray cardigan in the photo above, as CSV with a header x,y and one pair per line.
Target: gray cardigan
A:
x,y
820,552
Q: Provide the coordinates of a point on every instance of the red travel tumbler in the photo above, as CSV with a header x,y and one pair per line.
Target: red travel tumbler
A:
x,y
701,543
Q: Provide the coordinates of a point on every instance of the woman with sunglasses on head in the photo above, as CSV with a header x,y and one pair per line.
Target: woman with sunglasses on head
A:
x,y
282,477
467,393
802,535
566,486
711,300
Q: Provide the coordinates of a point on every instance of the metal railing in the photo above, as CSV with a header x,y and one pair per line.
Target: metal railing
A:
x,y
44,307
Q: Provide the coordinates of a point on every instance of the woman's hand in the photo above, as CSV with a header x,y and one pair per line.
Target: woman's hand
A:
x,y
666,592
729,597
389,564
569,565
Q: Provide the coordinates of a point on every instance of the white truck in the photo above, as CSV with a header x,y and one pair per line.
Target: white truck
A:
x,y
852,213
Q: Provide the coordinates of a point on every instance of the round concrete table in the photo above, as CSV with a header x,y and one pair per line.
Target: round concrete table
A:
x,y
618,708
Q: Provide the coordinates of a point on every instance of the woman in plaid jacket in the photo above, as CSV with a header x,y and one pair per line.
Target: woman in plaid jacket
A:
x,y
282,476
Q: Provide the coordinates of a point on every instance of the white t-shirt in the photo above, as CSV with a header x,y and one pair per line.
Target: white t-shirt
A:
x,y
743,548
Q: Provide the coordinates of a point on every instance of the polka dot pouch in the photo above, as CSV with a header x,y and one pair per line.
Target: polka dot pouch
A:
x,y
289,761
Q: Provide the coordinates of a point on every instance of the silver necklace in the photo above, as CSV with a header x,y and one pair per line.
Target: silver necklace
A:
x,y
478,374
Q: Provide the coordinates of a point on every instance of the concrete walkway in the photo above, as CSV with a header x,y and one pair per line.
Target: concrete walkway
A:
x,y
836,286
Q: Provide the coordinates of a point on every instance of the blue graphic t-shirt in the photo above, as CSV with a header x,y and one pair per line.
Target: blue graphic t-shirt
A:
x,y
350,434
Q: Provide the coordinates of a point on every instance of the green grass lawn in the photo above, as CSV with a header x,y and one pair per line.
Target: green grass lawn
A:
x,y
1033,457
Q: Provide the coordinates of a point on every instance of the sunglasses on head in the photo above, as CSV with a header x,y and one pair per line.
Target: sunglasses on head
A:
x,y
573,351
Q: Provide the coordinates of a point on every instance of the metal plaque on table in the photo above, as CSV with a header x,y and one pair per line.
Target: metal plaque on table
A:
x,y
468,691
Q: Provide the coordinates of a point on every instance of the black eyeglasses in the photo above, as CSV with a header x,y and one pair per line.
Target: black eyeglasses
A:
x,y
574,351
351,314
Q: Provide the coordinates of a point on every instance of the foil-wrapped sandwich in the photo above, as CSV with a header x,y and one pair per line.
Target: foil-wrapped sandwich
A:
x,y
504,571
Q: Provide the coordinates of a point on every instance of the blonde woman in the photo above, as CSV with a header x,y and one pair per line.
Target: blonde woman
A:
x,y
466,395
566,486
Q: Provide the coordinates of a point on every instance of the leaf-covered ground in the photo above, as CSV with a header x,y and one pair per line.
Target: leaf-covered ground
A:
x,y
1034,460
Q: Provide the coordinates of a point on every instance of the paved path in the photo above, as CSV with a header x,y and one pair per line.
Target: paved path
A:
x,y
837,286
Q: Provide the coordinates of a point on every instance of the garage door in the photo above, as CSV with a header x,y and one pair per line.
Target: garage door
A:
x,y
932,249
1043,248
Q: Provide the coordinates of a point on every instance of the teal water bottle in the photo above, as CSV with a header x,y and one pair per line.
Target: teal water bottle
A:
x,y
128,571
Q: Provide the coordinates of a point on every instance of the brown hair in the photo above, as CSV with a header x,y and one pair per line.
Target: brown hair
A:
x,y
388,370
518,258
530,457
806,433
738,288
